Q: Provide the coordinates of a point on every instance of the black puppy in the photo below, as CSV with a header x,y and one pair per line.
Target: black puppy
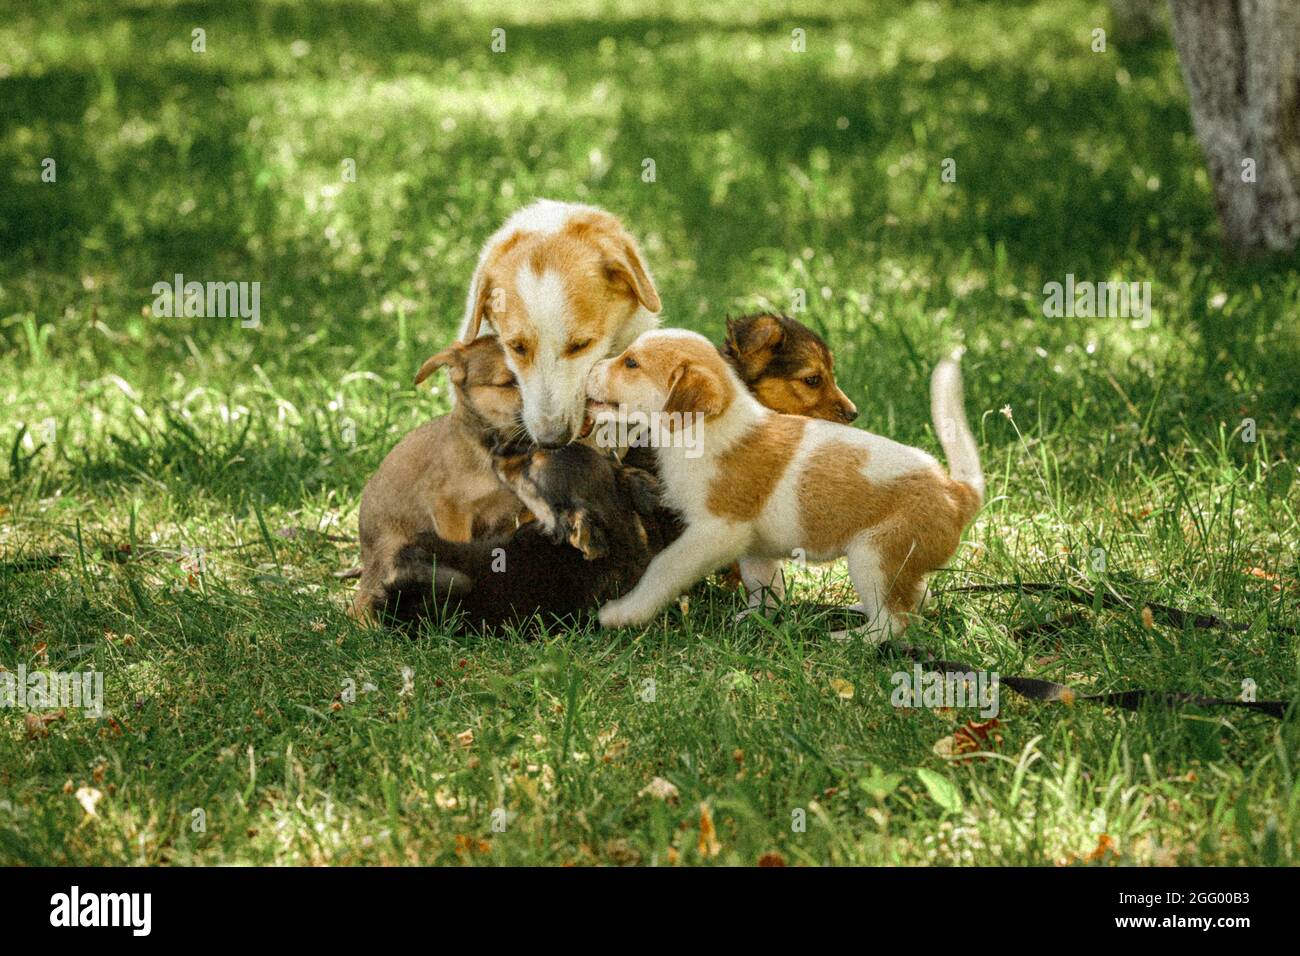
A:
x,y
598,524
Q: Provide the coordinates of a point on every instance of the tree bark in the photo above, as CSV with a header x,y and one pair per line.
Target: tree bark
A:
x,y
1241,62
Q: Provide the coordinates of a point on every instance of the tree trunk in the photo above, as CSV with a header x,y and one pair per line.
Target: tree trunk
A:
x,y
1241,61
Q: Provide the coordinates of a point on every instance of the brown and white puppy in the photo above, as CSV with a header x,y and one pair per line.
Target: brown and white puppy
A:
x,y
787,366
563,285
764,486
440,477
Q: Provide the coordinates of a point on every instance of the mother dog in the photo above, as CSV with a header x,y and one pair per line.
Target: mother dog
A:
x,y
563,285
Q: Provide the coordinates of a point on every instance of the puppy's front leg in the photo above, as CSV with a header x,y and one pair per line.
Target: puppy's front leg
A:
x,y
700,549
764,583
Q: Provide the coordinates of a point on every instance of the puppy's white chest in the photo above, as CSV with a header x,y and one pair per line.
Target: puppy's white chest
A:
x,y
686,485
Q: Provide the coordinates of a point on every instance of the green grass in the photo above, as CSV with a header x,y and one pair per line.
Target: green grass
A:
x,y
775,171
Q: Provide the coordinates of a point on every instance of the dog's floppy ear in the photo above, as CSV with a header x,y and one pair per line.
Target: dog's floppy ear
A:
x,y
751,334
695,389
449,357
485,298
624,265
485,293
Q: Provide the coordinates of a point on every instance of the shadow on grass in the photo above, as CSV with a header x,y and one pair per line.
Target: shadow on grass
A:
x,y
1048,203
104,195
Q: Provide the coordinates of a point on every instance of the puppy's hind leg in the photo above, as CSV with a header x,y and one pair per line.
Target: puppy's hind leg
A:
x,y
873,589
764,584
365,603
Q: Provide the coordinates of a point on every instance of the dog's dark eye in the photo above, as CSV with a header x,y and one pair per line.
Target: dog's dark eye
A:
x,y
573,348
812,381
519,348
630,362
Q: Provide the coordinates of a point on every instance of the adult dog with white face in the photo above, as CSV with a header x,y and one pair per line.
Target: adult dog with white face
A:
x,y
563,285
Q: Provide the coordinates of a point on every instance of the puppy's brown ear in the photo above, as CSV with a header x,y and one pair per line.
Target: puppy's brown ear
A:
x,y
449,357
751,334
587,536
695,389
624,266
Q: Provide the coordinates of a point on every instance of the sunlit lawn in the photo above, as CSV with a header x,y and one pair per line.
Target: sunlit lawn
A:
x,y
779,177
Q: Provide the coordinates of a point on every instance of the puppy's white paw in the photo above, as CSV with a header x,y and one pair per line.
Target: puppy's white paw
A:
x,y
616,614
871,637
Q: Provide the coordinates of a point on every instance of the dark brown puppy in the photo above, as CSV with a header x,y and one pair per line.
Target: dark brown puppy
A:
x,y
598,525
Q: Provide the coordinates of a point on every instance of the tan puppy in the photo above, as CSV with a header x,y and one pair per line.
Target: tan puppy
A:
x,y
563,285
440,477
765,487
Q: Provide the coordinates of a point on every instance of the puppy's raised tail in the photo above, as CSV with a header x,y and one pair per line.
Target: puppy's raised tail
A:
x,y
949,414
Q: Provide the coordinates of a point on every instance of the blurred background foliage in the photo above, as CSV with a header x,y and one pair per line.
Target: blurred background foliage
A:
x,y
775,171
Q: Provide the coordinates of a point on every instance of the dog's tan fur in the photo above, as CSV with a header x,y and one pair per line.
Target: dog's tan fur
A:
x,y
603,278
788,368
440,477
753,466
916,518
769,485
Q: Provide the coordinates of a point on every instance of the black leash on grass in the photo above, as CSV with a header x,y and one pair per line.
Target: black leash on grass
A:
x,y
1035,688
1164,613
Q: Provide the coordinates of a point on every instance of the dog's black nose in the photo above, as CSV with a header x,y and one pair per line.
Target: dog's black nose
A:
x,y
848,413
